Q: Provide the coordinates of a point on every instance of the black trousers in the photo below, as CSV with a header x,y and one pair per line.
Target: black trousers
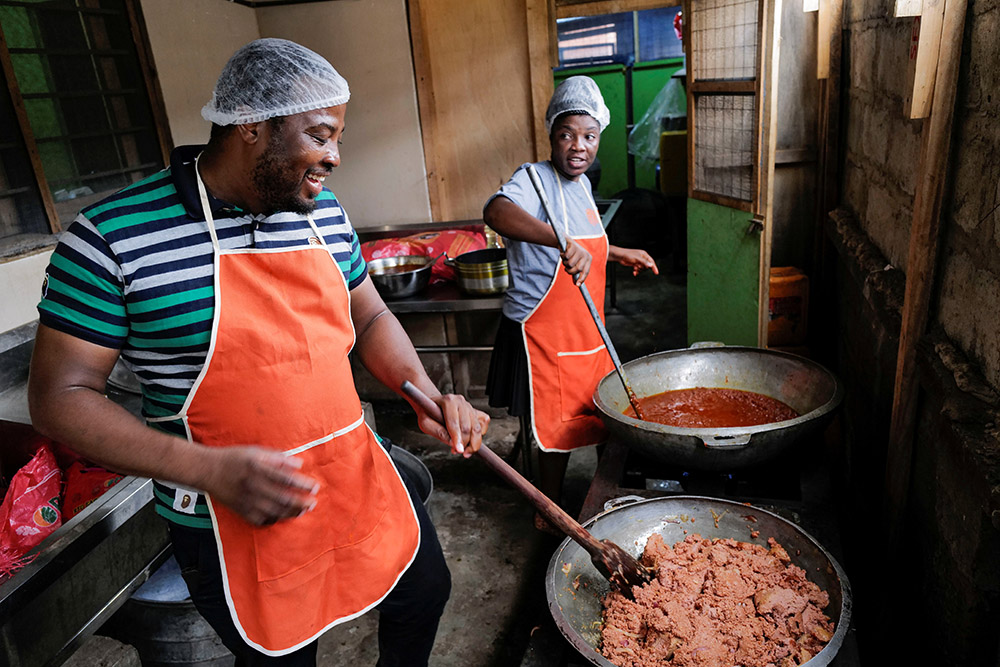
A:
x,y
408,616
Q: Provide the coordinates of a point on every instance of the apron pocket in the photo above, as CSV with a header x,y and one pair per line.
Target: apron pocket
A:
x,y
579,373
349,506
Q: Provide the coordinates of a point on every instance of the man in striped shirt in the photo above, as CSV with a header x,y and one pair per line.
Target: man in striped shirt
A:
x,y
209,280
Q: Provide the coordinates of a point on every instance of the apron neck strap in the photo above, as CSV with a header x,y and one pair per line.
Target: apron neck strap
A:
x,y
206,210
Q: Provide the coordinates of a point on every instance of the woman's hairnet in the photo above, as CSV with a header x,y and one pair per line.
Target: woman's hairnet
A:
x,y
577,94
273,77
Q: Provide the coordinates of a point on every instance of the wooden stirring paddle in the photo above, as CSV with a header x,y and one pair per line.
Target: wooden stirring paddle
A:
x,y
613,562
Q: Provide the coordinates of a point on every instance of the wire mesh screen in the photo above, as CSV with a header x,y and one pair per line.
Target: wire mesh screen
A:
x,y
724,34
723,145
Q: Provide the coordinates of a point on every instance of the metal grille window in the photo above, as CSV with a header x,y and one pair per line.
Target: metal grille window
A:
x,y
723,67
79,118
724,136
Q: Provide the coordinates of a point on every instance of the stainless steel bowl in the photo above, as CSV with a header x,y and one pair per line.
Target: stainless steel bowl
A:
x,y
392,282
805,386
574,588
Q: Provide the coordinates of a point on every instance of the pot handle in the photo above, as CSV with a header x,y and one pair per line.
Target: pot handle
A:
x,y
621,501
727,441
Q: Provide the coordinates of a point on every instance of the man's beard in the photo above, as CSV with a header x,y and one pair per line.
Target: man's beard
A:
x,y
276,185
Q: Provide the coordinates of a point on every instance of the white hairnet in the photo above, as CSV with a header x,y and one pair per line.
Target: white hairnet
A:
x,y
577,94
273,77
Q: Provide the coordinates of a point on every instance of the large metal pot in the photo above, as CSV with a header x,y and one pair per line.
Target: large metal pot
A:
x,y
574,588
402,276
807,387
481,271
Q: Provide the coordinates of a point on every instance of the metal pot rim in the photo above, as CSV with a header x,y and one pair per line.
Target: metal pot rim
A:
x,y
831,404
588,652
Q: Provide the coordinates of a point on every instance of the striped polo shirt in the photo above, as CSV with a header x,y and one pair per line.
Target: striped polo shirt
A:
x,y
134,272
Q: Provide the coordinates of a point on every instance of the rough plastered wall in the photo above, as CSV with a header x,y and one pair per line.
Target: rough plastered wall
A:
x,y
952,521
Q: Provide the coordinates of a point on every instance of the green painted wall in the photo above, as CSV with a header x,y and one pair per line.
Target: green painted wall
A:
x,y
723,270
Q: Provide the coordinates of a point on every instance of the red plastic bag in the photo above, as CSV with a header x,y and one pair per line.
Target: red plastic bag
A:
x,y
449,242
85,484
30,510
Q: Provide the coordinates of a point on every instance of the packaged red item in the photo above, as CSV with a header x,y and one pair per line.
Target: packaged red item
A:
x,y
30,510
85,484
445,243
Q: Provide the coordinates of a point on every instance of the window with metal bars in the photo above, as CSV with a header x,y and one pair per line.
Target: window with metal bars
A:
x,y
78,110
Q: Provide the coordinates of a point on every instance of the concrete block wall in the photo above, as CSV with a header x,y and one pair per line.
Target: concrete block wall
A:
x,y
952,526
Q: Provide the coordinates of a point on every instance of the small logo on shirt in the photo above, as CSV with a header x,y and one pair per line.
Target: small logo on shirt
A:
x,y
592,217
45,286
313,240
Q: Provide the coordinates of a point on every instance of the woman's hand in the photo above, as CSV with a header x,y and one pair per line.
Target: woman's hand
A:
x,y
576,261
633,258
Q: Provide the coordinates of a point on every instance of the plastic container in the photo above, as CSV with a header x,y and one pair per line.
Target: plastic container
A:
x,y
788,307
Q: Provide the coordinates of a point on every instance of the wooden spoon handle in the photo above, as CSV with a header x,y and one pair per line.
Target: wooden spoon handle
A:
x,y
545,505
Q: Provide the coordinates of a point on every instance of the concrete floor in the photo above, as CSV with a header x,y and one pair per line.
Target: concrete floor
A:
x,y
497,558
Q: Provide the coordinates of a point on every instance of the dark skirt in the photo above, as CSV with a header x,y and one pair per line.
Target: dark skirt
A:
x,y
507,382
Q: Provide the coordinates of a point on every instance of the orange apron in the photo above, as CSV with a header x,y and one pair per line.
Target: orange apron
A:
x,y
566,355
277,375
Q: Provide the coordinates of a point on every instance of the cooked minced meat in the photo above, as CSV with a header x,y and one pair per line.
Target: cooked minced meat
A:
x,y
717,603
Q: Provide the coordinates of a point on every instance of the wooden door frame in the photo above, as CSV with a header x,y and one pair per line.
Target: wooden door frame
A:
x,y
765,91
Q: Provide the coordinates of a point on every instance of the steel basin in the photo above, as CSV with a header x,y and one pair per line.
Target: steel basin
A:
x,y
576,609
392,283
807,387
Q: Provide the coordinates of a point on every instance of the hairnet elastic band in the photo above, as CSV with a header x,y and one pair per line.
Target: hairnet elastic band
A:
x,y
220,118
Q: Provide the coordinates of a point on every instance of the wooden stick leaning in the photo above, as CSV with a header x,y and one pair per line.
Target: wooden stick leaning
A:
x,y
536,181
613,562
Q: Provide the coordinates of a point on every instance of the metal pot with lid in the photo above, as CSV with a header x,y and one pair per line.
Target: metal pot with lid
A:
x,y
481,272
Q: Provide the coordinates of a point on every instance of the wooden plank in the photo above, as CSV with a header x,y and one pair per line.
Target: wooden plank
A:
x,y
824,25
140,37
920,270
474,94
924,48
542,44
767,76
907,8
570,8
425,103
729,87
24,123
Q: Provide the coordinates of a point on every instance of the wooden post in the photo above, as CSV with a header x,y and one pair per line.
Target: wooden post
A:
x,y
921,259
923,59
542,44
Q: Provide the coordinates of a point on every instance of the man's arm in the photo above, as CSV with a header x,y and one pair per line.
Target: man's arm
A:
x,y
387,352
67,403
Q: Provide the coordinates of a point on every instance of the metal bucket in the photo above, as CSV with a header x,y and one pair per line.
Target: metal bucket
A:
x,y
807,387
415,470
161,622
576,609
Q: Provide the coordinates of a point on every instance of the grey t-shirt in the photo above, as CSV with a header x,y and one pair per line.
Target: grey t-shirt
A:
x,y
533,267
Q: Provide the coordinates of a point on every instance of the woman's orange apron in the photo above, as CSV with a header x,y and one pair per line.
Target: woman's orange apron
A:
x,y
277,375
566,355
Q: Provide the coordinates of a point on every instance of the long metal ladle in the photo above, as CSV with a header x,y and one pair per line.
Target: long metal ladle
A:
x,y
536,181
619,567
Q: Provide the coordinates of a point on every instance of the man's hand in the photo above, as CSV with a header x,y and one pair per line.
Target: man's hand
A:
x,y
576,260
261,485
464,426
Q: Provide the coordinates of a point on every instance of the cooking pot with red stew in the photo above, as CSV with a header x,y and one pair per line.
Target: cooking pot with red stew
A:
x,y
809,389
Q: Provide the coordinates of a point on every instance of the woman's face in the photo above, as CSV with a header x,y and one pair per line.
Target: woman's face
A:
x,y
575,138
